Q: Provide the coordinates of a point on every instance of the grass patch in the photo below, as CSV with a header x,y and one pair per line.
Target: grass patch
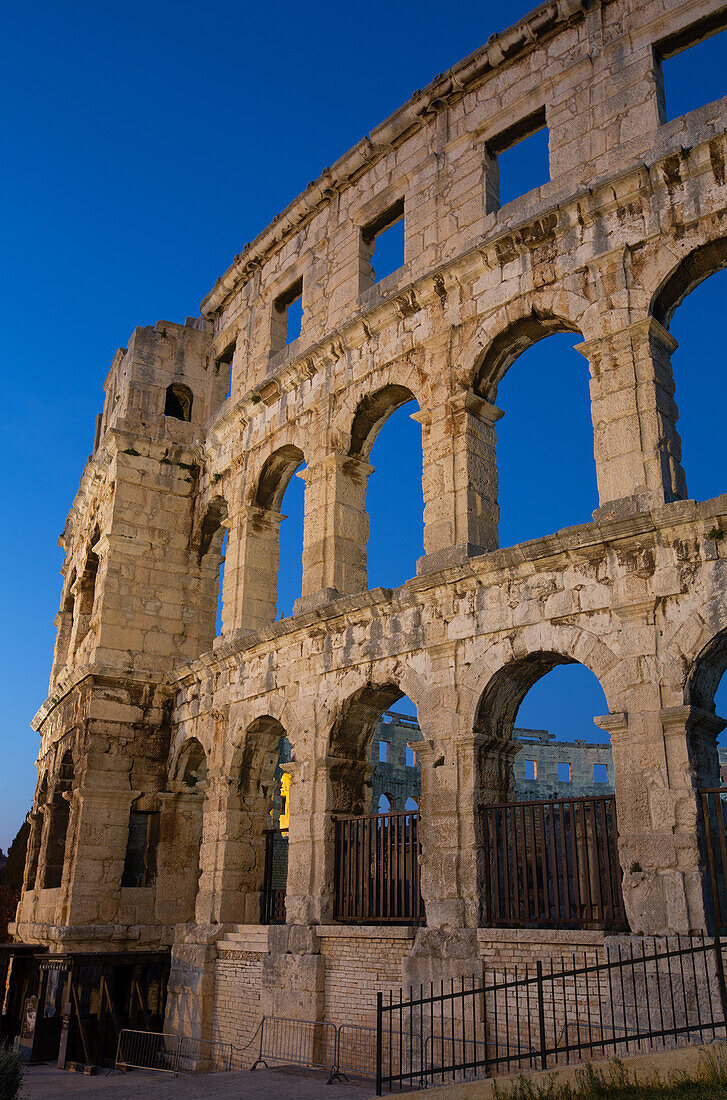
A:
x,y
708,1082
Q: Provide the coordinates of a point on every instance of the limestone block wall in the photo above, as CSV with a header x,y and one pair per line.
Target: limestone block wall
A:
x,y
150,712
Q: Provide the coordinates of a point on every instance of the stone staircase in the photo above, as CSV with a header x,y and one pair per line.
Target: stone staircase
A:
x,y
248,938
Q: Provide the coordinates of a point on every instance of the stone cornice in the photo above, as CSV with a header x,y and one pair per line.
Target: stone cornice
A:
x,y
66,684
488,570
500,49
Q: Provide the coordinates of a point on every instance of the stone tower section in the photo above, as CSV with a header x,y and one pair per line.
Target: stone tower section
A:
x,y
139,597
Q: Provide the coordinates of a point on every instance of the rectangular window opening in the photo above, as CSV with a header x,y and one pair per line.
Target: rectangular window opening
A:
x,y
287,321
382,245
384,747
600,773
531,769
563,771
691,67
411,757
223,366
517,161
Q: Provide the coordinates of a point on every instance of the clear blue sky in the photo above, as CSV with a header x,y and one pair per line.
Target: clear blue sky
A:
x,y
144,145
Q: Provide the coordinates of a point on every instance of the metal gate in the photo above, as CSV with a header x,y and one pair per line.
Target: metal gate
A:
x,y
553,863
377,869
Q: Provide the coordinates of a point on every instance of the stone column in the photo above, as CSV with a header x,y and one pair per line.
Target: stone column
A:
x,y
637,446
178,854
250,582
63,623
191,989
336,530
460,481
310,887
232,856
657,759
98,831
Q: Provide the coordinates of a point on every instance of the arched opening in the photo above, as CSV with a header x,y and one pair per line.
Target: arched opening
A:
x,y
65,624
547,808
59,812
280,581
191,764
706,691
545,448
373,845
178,402
395,768
706,759
264,811
384,435
211,553
36,834
687,304
86,597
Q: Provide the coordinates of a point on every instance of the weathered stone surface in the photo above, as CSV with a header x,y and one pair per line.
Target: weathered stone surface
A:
x,y
149,713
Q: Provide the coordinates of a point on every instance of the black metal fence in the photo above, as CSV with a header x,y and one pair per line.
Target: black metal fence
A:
x,y
553,863
643,996
377,869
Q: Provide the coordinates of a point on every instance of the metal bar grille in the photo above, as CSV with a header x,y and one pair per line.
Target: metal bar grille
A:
x,y
272,896
377,869
553,863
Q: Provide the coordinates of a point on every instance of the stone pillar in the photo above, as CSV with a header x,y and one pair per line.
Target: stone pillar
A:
x,y
178,854
457,778
232,856
98,831
64,628
637,446
659,759
250,583
191,990
310,888
336,530
460,481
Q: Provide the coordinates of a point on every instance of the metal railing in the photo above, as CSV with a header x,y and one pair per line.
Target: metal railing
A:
x,y
553,863
166,1053
659,994
714,822
377,869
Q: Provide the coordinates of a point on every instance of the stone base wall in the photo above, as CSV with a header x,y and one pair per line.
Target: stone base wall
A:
x,y
237,999
360,961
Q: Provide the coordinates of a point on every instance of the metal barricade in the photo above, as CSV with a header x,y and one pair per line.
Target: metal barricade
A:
x,y
165,1053
310,1043
204,1056
151,1050
356,1050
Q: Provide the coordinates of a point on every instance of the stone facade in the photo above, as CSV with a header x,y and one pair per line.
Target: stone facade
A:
x,y
148,710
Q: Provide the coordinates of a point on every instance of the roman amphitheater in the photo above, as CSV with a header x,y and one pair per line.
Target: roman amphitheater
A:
x,y
150,852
